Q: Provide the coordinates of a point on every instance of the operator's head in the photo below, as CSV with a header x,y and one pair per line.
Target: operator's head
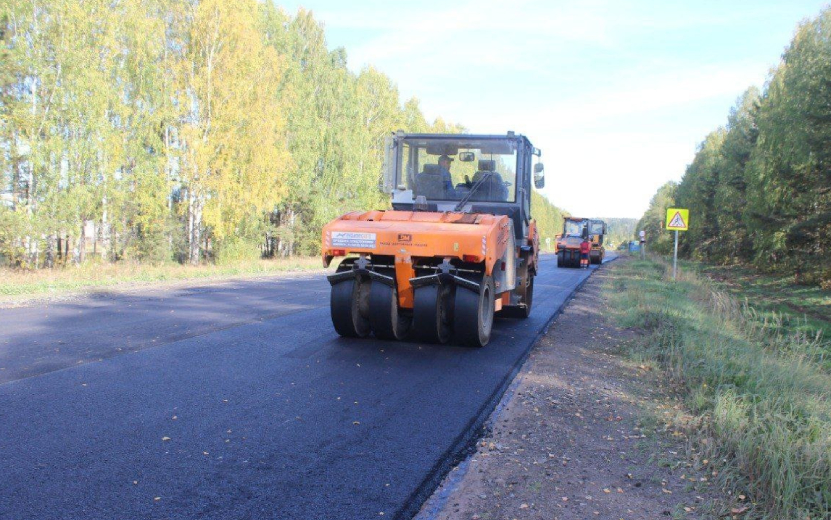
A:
x,y
444,162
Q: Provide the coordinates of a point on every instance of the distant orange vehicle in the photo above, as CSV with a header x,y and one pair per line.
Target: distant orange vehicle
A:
x,y
455,249
575,231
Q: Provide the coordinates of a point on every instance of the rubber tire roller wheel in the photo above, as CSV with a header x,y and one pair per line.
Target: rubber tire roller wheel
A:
x,y
474,314
433,313
561,258
384,316
350,309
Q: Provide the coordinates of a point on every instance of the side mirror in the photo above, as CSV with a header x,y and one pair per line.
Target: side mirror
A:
x,y
539,176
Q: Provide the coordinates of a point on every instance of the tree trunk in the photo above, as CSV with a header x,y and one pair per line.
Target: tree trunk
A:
x,y
190,227
15,172
292,219
194,228
82,242
31,252
49,254
104,228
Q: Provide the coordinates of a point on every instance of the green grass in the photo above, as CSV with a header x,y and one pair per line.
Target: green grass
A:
x,y
18,285
774,296
760,389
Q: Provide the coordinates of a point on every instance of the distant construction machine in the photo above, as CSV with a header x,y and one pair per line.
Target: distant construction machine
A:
x,y
575,231
597,232
455,248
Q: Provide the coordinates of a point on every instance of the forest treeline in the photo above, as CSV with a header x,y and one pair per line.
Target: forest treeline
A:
x,y
759,189
618,230
185,130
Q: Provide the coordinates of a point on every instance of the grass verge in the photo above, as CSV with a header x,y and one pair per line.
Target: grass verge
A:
x,y
760,391
774,296
15,284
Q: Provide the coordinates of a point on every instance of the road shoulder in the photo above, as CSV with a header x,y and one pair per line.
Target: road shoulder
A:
x,y
580,436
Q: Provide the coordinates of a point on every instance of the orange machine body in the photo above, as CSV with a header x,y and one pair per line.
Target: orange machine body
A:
x,y
415,236
568,245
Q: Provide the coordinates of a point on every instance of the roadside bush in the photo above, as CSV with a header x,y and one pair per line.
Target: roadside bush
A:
x,y
16,231
236,249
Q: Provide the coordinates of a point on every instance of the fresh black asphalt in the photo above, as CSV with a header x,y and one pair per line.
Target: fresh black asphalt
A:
x,y
238,401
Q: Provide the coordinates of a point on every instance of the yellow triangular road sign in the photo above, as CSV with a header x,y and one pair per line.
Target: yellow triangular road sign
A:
x,y
677,221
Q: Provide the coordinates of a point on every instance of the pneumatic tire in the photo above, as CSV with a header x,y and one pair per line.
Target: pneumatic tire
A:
x,y
384,314
349,306
433,313
474,314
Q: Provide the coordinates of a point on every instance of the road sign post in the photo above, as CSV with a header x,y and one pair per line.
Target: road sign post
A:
x,y
642,236
675,258
678,219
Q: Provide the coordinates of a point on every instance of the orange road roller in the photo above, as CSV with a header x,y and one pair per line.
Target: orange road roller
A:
x,y
458,247
575,232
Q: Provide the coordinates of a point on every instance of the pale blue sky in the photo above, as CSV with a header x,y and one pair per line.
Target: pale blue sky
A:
x,y
616,94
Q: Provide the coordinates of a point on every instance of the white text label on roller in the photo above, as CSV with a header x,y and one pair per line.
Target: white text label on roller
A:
x,y
349,239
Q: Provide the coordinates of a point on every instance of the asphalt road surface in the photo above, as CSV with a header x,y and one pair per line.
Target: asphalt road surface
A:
x,y
237,401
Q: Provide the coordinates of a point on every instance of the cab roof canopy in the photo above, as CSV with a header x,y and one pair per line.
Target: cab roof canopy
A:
x,y
450,144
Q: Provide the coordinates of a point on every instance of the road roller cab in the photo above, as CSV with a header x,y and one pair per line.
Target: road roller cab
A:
x,y
458,246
